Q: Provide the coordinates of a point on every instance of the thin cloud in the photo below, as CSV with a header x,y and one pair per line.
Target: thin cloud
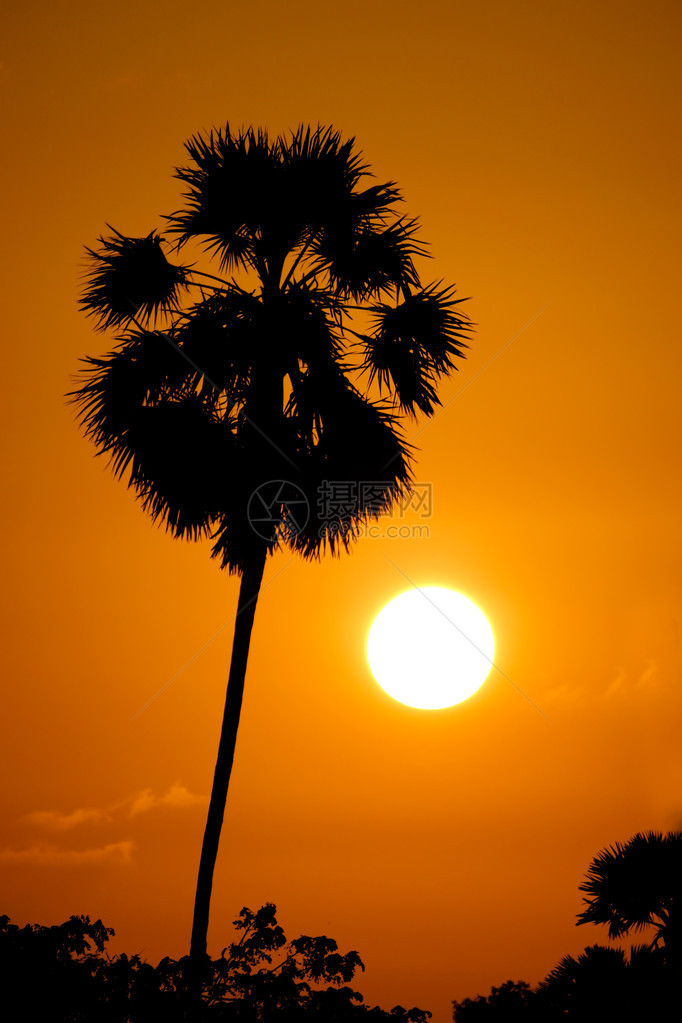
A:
x,y
616,685
650,678
622,686
49,855
565,694
55,820
178,797
648,681
142,803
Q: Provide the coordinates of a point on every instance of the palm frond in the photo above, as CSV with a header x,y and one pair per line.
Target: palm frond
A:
x,y
307,328
130,277
363,263
219,337
139,406
357,462
371,207
252,516
114,387
415,343
593,967
632,885
319,173
183,460
322,161
233,189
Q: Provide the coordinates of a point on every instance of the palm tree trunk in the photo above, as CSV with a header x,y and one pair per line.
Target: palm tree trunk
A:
x,y
246,609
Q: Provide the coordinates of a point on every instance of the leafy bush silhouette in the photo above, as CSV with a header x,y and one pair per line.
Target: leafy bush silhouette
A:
x,y
513,1000
53,972
64,974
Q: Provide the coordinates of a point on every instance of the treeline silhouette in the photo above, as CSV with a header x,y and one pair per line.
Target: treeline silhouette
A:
x,y
65,975
628,887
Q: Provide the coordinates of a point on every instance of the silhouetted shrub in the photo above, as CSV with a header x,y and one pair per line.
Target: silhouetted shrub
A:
x,y
63,974
514,1000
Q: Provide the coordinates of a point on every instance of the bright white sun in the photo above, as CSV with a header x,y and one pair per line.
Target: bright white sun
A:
x,y
430,648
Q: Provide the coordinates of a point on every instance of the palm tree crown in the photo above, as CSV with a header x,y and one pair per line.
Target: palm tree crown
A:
x,y
260,379
638,884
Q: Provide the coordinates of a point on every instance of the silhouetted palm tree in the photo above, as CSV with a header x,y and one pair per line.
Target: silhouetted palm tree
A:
x,y
639,884
229,421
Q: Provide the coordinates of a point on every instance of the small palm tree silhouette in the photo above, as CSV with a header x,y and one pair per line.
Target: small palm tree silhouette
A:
x,y
229,421
638,884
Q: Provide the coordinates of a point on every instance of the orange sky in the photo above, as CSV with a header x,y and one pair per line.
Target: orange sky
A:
x,y
539,144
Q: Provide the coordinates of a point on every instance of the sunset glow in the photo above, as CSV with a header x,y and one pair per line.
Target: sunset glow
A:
x,y
537,145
